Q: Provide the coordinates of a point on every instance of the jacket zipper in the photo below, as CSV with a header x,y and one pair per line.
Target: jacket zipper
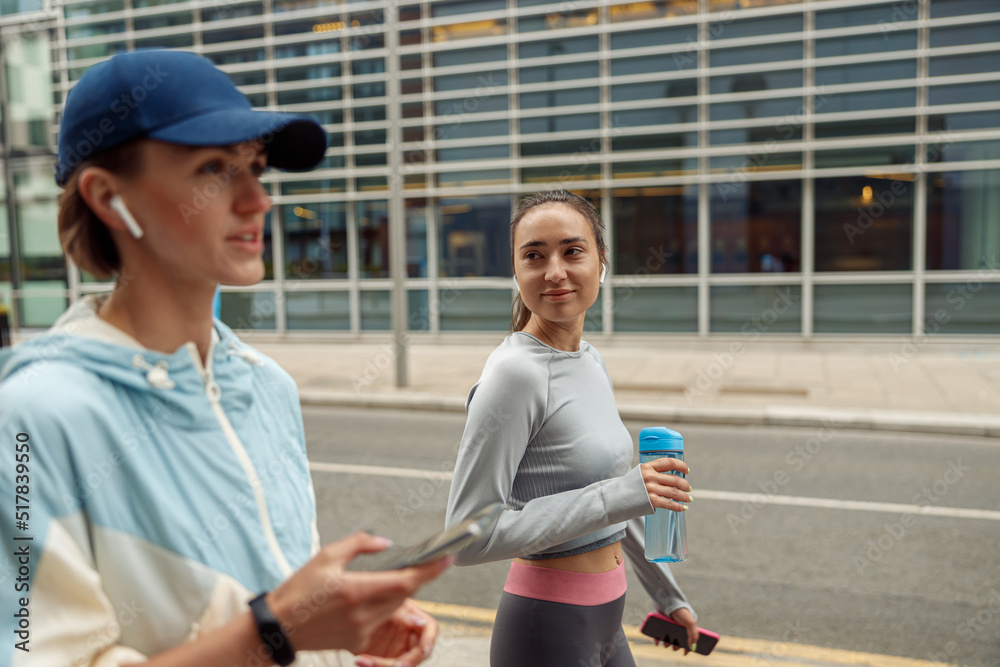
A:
x,y
214,394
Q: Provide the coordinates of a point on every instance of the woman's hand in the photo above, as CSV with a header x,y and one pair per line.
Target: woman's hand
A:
x,y
666,491
325,606
684,616
404,640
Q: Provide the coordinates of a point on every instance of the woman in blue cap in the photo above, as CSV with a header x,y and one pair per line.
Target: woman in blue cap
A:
x,y
161,461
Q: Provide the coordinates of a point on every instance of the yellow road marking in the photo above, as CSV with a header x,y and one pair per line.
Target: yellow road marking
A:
x,y
731,651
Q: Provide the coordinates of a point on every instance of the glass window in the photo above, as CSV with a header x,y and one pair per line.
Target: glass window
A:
x,y
306,310
969,63
976,120
418,310
101,50
473,153
315,241
567,72
232,11
470,105
863,309
554,177
961,7
310,49
866,127
656,230
755,310
745,83
473,177
655,64
755,226
313,187
963,219
483,82
654,168
657,37
376,310
474,236
656,116
94,29
863,72
564,123
977,33
786,130
233,34
312,25
654,90
309,95
969,307
38,306
458,129
867,101
560,98
762,159
374,114
369,137
91,8
373,239
882,42
469,56
555,20
771,25
248,311
894,14
863,224
865,157
416,238
643,11
475,309
784,106
765,53
958,151
234,57
456,7
162,21
654,141
656,309
557,47
965,93
368,89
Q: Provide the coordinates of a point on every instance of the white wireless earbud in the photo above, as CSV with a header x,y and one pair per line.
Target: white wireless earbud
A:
x,y
126,215
516,286
604,270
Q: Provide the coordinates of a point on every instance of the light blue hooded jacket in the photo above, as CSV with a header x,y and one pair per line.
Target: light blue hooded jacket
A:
x,y
161,494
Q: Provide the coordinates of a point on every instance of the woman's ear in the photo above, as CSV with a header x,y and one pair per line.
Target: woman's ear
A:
x,y
98,187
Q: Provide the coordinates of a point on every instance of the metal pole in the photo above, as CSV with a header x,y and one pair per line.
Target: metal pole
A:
x,y
397,211
8,175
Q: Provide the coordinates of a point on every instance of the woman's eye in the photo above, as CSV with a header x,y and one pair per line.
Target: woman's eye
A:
x,y
574,251
532,255
213,167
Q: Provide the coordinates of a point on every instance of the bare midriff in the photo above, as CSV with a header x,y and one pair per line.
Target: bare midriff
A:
x,y
600,560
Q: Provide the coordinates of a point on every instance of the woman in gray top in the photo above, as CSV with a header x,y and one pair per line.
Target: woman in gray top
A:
x,y
544,437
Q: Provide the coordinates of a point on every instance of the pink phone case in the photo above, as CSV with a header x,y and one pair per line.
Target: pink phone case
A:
x,y
664,628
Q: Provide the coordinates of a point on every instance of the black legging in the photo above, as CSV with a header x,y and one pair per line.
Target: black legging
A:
x,y
538,633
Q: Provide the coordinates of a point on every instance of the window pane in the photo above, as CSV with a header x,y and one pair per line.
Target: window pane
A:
x,y
416,238
867,309
567,72
764,53
373,239
557,47
964,35
376,310
755,310
787,106
474,236
961,7
469,56
882,42
568,123
963,219
866,127
38,307
757,27
654,90
555,20
644,11
418,310
977,120
965,93
658,37
745,83
315,241
317,310
658,309
475,309
560,98
971,307
756,226
248,311
863,224
860,73
856,16
965,64
656,64
865,157
656,233
867,101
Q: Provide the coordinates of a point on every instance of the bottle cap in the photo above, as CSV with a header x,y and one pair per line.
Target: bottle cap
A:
x,y
660,438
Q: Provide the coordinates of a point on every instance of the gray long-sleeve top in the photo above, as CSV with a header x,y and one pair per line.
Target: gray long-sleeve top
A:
x,y
544,437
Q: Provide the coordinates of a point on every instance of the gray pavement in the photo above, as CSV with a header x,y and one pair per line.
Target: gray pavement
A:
x,y
900,385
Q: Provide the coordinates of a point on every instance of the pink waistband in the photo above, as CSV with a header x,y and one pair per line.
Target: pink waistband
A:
x,y
579,588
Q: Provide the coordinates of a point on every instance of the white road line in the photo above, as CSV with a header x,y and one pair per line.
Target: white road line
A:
x,y
758,500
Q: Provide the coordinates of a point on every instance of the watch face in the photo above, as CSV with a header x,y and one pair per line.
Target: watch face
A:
x,y
276,643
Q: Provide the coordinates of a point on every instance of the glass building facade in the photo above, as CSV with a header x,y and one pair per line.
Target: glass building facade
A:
x,y
763,167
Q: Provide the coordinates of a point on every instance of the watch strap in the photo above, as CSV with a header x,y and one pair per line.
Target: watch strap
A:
x,y
276,643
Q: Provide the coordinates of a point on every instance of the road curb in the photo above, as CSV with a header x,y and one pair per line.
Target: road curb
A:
x,y
899,421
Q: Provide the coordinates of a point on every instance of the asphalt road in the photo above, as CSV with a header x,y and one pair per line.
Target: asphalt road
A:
x,y
794,535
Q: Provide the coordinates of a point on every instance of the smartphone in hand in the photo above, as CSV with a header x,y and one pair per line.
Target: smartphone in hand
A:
x,y
445,543
669,631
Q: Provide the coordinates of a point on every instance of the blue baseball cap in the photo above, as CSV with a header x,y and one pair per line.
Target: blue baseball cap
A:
x,y
178,97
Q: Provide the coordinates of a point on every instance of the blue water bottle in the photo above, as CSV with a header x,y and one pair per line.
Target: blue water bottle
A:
x,y
666,535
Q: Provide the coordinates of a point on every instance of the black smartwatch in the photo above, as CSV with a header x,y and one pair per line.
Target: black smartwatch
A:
x,y
276,643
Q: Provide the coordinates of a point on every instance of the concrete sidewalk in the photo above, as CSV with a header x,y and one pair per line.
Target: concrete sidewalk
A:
x,y
896,386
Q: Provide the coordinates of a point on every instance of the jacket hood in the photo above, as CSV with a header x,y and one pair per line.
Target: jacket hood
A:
x,y
80,339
